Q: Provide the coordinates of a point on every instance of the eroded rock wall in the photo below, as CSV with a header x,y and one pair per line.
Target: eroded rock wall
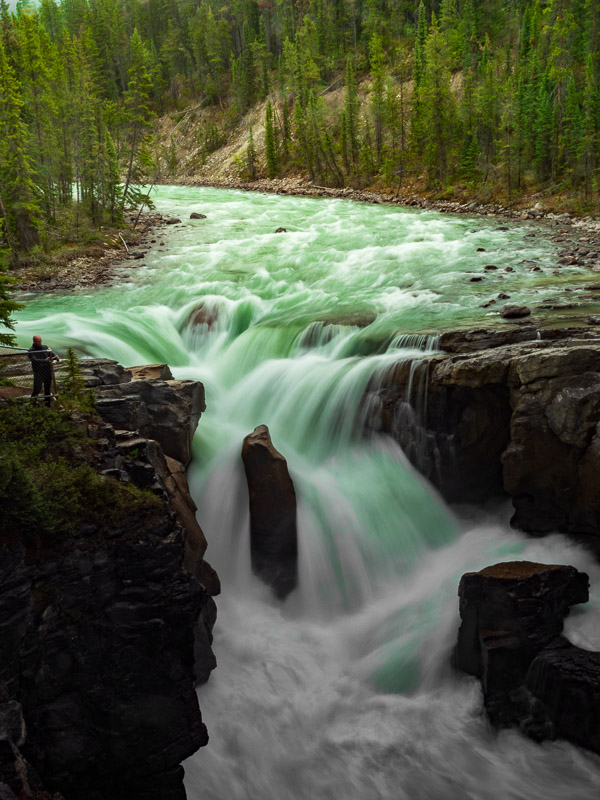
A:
x,y
102,659
514,412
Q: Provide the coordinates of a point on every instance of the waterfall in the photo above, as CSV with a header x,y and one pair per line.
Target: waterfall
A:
x,y
345,690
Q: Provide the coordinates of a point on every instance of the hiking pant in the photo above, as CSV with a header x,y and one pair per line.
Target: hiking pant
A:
x,y
40,378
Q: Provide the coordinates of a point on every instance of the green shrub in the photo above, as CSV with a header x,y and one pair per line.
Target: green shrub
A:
x,y
73,394
47,488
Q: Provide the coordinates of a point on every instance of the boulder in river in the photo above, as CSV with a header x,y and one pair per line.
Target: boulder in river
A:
x,y
514,312
202,315
273,531
510,637
172,221
196,215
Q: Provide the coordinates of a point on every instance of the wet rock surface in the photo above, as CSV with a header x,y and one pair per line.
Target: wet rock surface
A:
x,y
512,412
273,532
510,637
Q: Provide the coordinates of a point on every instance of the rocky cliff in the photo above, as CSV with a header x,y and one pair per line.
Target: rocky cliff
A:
x,y
510,637
106,633
513,411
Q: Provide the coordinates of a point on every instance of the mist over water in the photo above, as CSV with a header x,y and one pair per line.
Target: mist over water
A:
x,y
344,691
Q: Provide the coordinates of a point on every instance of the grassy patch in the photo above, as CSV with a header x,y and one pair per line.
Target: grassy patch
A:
x,y
47,487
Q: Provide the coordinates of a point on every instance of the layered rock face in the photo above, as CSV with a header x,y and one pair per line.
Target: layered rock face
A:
x,y
505,412
165,410
102,660
105,635
273,533
510,637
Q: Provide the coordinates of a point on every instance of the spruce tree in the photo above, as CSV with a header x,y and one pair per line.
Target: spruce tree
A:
x,y
377,93
139,116
251,154
351,105
17,176
438,106
420,39
270,144
7,305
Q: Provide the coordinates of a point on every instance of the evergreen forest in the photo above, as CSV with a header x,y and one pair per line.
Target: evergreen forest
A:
x,y
486,95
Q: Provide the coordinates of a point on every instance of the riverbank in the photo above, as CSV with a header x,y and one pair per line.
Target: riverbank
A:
x,y
579,236
302,187
101,265
73,267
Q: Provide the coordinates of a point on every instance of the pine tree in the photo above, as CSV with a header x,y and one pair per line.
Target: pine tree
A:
x,y
420,39
251,154
377,93
138,117
303,141
591,127
39,101
17,176
351,105
488,108
270,144
542,131
573,134
7,305
439,106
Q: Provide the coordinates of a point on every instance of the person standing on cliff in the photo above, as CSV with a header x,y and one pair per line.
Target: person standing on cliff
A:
x,y
41,358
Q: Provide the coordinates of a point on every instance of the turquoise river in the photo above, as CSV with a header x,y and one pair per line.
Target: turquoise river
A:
x,y
344,692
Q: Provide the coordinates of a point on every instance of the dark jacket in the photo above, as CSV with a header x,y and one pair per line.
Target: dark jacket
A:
x,y
38,356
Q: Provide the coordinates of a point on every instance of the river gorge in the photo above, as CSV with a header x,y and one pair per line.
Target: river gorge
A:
x,y
345,690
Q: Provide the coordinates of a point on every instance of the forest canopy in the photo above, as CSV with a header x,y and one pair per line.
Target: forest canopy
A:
x,y
470,92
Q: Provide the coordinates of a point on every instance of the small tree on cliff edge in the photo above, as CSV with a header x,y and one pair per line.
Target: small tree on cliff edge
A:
x,y
7,306
270,144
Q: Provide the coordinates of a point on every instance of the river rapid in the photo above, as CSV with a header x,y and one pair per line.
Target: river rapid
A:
x,y
343,692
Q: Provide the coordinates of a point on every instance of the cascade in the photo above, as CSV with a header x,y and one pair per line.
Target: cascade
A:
x,y
344,690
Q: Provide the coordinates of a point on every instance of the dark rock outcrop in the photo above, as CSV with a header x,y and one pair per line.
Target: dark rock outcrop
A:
x,y
196,215
453,434
167,411
510,637
105,634
504,412
98,650
273,533
565,680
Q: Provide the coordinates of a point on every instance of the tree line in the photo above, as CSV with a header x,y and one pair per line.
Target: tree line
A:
x,y
502,94
72,153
